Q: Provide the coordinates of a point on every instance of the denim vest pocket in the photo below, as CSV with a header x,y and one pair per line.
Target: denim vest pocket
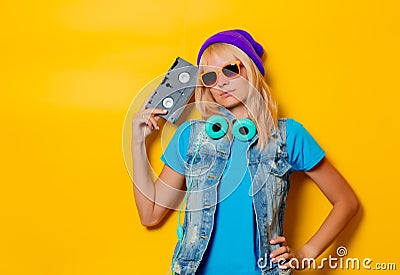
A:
x,y
200,160
279,166
275,169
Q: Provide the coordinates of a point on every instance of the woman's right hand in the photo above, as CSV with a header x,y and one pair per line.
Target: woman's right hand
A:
x,y
145,122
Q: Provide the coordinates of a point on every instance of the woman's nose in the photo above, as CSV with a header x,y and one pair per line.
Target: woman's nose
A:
x,y
222,80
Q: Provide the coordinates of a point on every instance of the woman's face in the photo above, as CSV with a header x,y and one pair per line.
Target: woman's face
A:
x,y
230,93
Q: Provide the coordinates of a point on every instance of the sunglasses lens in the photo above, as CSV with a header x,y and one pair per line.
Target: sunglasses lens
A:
x,y
209,79
231,70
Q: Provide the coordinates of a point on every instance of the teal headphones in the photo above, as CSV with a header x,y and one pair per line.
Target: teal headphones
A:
x,y
243,129
215,127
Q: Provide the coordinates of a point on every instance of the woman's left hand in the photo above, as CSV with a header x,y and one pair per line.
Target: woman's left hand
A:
x,y
283,253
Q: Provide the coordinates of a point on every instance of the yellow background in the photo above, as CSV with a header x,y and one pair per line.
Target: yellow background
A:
x,y
71,69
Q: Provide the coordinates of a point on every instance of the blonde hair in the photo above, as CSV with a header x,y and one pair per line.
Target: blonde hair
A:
x,y
261,108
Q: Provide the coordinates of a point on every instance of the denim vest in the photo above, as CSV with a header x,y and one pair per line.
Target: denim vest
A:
x,y
205,164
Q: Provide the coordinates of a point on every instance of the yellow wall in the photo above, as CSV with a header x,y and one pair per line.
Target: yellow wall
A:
x,y
71,69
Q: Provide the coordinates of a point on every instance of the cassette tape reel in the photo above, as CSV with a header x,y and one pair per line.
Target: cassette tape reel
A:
x,y
175,90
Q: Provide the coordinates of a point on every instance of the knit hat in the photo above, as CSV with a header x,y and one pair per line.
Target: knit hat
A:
x,y
241,39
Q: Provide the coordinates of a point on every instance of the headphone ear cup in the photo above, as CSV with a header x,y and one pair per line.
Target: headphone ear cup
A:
x,y
216,127
244,129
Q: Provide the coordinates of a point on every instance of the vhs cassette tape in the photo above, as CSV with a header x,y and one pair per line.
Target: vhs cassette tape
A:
x,y
175,90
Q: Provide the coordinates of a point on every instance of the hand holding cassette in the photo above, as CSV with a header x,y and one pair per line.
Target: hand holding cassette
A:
x,y
175,90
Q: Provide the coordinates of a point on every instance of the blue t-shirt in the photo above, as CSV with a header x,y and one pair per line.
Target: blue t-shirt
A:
x,y
233,244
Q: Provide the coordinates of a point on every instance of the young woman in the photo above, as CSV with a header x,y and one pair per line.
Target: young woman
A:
x,y
232,169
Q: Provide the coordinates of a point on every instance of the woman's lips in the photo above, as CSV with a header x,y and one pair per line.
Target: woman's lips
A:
x,y
226,93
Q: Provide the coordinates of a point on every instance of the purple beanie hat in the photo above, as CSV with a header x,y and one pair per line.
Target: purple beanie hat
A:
x,y
241,39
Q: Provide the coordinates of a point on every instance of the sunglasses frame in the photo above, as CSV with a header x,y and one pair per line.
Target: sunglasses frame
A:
x,y
238,63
